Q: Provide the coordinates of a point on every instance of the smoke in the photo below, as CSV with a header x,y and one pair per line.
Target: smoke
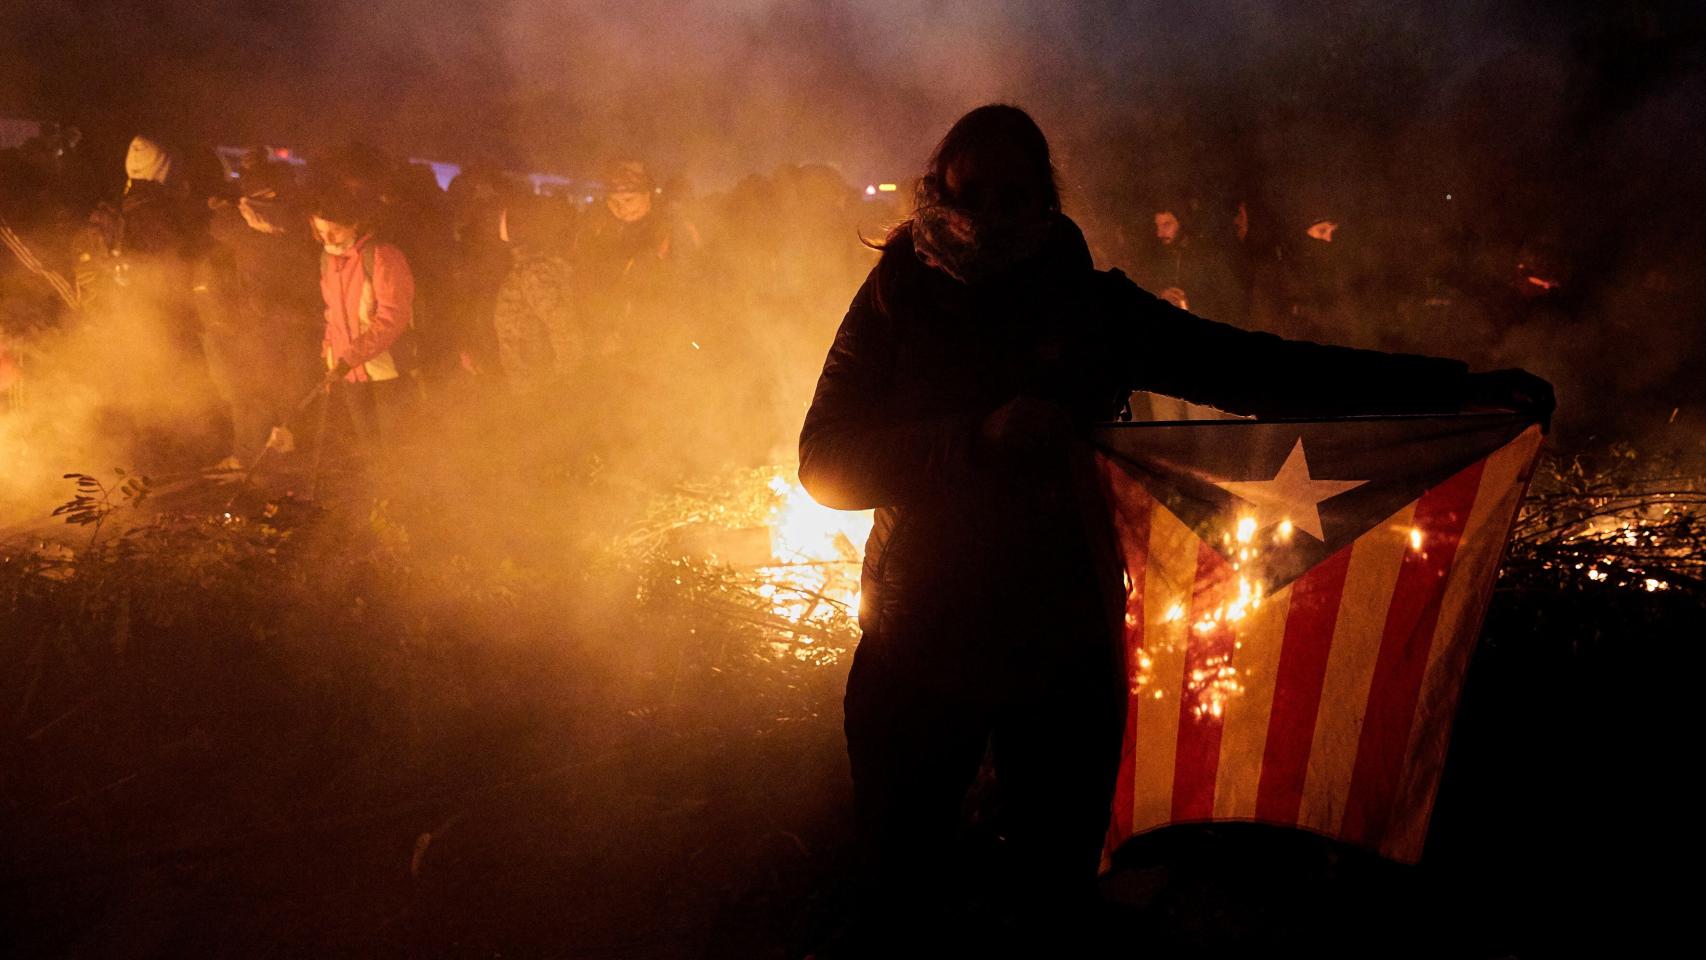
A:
x,y
1567,132
123,388
1558,129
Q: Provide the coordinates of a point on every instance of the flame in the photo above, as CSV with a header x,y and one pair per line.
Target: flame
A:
x,y
817,552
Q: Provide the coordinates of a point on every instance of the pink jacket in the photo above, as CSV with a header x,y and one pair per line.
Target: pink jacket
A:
x,y
366,314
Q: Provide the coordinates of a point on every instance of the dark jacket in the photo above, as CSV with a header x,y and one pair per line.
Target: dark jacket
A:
x,y
274,270
975,574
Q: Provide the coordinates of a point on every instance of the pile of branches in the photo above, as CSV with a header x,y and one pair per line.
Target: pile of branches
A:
x,y
1613,520
702,553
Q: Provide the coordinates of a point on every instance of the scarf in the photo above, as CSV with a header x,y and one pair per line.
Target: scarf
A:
x,y
971,246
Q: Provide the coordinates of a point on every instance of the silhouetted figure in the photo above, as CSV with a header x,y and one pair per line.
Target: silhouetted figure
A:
x,y
481,261
628,256
260,333
539,338
1185,269
979,348
644,334
138,267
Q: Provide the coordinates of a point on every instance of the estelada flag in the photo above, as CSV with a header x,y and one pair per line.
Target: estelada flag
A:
x,y
1301,603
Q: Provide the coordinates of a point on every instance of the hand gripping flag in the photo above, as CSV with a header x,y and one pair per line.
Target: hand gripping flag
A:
x,y
1301,602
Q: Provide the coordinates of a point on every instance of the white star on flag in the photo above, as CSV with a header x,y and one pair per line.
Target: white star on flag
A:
x,y
1291,495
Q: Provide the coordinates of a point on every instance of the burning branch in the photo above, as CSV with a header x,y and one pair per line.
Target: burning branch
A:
x,y
752,548
1619,520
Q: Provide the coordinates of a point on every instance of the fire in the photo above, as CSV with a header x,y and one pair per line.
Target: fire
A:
x,y
751,549
817,552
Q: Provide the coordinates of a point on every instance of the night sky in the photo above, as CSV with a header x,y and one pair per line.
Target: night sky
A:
x,y
719,89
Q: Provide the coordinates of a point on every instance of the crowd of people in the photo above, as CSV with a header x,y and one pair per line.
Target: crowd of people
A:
x,y
358,279
641,308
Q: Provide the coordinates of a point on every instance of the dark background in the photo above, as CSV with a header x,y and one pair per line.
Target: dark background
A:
x,y
573,803
1564,132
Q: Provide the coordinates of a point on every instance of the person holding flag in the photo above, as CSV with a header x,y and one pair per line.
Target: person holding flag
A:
x,y
981,348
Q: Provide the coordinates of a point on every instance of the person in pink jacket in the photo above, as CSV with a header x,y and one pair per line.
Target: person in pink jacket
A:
x,y
369,294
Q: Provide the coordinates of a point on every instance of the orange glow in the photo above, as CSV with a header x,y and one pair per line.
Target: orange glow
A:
x,y
817,552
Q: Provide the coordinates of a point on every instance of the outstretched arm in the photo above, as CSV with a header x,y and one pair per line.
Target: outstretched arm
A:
x,y
1259,374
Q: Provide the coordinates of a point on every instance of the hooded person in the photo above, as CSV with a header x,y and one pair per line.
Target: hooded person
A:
x,y
1321,285
140,264
151,219
145,162
627,248
980,347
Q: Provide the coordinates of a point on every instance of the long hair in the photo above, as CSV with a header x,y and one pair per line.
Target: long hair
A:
x,y
994,129
989,130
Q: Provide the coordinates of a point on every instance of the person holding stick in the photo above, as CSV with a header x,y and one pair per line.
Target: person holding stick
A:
x,y
369,295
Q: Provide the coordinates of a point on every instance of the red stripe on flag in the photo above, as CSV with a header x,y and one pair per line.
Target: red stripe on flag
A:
x,y
1132,509
1440,516
1297,687
1197,757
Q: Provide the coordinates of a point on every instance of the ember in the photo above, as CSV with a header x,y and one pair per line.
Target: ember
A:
x,y
1622,520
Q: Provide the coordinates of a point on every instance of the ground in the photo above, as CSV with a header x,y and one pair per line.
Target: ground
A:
x,y
445,719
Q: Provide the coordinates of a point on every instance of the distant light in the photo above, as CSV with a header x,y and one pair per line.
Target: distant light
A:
x,y
442,172
1415,538
871,190
695,344
283,153
1448,196
887,187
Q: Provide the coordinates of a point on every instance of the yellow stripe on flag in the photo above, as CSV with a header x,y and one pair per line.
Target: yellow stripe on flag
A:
x,y
1467,590
1244,733
1168,577
1376,558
